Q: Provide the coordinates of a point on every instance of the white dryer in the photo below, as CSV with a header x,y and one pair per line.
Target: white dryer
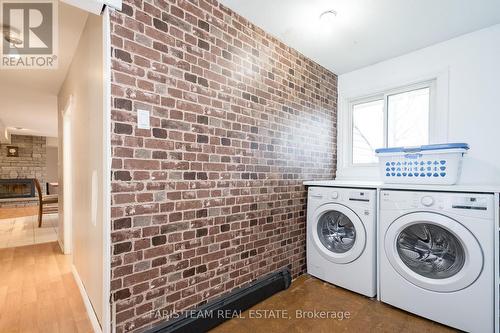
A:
x,y
437,256
341,237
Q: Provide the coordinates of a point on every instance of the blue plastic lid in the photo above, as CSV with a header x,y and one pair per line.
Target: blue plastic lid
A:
x,y
423,148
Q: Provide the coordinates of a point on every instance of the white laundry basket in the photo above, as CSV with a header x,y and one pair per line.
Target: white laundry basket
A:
x,y
429,164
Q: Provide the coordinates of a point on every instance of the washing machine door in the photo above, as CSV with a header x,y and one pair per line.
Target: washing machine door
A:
x,y
433,251
337,233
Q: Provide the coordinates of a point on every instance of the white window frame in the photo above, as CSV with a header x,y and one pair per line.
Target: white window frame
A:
x,y
438,120
385,97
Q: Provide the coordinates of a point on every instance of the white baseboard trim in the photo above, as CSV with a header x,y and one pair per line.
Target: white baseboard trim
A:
x,y
86,301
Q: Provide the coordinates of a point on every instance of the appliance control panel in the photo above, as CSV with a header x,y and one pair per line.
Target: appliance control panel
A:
x,y
470,204
360,196
349,197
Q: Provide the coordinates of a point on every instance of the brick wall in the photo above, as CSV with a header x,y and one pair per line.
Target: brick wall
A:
x,y
211,197
31,162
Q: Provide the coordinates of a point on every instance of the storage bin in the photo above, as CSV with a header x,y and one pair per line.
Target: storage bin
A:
x,y
428,164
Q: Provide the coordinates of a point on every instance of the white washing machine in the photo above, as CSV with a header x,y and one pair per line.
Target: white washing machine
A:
x,y
341,229
437,256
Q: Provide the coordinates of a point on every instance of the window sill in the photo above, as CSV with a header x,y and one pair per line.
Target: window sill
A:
x,y
366,172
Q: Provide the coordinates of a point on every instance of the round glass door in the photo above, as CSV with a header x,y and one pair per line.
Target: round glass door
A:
x,y
430,250
433,251
336,232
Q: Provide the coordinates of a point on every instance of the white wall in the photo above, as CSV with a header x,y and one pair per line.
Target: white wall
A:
x,y
84,84
52,161
34,111
472,65
52,164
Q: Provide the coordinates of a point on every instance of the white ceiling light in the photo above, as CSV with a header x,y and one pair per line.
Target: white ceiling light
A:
x,y
328,22
328,16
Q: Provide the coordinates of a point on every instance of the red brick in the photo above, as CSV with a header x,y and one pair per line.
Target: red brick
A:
x,y
211,197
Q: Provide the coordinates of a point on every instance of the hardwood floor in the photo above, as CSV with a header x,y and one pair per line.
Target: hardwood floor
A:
x,y
38,292
10,213
309,294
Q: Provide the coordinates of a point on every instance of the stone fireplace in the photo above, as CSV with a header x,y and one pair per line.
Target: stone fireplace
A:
x,y
17,172
17,188
31,162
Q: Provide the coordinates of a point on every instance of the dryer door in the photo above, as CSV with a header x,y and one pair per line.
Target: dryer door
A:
x,y
433,251
338,233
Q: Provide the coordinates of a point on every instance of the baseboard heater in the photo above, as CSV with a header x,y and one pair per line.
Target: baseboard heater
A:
x,y
215,312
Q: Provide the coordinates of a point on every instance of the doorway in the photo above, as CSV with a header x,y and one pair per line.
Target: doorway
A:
x,y
70,105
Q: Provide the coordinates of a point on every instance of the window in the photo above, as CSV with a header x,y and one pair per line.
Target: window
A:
x,y
367,131
408,118
395,118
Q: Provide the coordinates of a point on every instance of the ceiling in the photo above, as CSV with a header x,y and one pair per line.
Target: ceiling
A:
x,y
365,32
29,97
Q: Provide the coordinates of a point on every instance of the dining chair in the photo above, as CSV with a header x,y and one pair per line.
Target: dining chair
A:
x,y
45,202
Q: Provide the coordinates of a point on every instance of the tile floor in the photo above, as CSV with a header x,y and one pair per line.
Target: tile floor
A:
x,y
23,230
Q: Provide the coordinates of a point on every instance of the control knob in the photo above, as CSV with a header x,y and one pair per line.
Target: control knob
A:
x,y
427,201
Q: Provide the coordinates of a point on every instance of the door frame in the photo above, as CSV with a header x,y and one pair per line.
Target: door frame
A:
x,y
67,178
95,6
106,175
